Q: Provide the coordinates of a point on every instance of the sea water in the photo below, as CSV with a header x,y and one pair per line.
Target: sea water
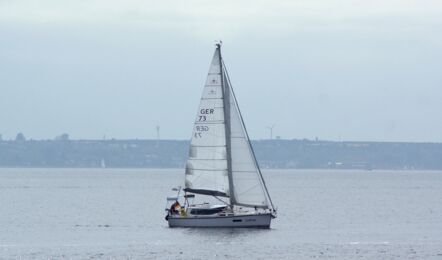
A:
x,y
119,214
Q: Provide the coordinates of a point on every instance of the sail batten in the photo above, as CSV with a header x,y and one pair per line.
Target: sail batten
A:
x,y
206,169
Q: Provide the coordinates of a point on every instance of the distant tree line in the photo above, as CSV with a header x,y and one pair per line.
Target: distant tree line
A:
x,y
277,153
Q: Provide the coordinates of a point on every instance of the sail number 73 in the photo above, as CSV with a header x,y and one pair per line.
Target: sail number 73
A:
x,y
203,112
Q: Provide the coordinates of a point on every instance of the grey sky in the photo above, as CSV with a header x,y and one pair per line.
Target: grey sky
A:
x,y
348,70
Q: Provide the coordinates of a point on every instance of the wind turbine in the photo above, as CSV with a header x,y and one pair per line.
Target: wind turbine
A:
x,y
271,130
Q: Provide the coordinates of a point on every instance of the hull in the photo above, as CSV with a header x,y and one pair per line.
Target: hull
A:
x,y
239,221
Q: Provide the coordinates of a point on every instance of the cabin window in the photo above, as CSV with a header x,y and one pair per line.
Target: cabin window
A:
x,y
206,211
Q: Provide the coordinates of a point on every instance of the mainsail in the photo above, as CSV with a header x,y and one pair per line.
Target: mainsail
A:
x,y
221,160
206,169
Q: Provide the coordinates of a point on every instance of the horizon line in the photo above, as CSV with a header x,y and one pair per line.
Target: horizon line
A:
x,y
188,140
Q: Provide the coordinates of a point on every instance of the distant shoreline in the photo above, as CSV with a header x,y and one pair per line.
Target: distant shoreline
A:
x,y
179,170
172,154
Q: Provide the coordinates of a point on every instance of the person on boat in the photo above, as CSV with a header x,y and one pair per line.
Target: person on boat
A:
x,y
174,208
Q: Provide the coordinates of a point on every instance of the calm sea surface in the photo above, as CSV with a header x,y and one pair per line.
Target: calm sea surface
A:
x,y
119,214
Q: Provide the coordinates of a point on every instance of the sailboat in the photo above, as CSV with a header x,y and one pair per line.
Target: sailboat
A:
x,y
221,170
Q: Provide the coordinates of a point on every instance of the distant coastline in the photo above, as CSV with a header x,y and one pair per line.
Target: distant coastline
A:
x,y
273,154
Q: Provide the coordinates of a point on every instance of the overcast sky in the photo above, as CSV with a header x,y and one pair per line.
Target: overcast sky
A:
x,y
336,70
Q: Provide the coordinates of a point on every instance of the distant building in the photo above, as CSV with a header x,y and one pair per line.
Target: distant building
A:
x,y
20,137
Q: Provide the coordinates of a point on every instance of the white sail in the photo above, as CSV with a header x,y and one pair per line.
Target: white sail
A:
x,y
248,186
206,168
221,160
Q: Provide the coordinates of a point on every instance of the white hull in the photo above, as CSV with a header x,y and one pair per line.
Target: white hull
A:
x,y
240,221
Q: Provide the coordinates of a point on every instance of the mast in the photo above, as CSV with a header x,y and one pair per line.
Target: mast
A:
x,y
226,105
